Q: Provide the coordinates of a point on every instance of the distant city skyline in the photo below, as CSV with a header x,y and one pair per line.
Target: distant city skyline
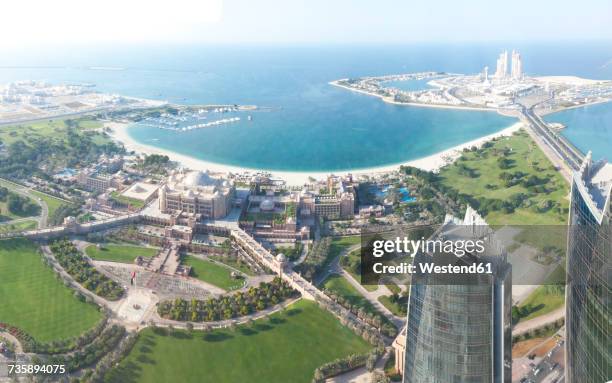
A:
x,y
34,22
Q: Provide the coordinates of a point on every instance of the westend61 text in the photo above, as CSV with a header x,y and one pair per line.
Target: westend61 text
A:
x,y
431,268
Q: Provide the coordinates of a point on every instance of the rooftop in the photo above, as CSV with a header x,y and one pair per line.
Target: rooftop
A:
x,y
594,181
141,191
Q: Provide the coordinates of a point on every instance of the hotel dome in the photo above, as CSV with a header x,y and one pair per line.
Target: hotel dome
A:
x,y
198,178
266,205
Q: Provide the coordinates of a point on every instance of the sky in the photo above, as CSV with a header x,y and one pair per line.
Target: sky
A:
x,y
61,22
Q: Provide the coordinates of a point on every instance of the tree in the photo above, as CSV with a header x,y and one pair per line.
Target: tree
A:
x,y
371,361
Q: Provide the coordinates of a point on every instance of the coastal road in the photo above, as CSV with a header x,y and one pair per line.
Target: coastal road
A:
x,y
565,158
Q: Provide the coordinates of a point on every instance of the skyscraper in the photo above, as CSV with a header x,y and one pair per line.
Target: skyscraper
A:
x,y
502,65
589,276
517,65
460,330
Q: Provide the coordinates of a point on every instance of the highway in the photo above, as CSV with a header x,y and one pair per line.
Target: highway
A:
x,y
562,154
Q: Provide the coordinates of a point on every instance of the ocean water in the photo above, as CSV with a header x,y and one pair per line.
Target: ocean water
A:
x,y
308,125
589,128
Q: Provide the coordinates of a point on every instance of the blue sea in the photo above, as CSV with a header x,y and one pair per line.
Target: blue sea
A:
x,y
309,125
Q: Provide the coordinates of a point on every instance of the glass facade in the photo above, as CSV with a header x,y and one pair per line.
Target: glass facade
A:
x,y
589,275
461,333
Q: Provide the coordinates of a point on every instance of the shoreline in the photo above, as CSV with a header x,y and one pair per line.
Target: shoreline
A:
x,y
433,162
389,100
543,113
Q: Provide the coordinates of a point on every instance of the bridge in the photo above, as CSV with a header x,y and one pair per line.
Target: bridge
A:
x,y
307,289
256,250
562,153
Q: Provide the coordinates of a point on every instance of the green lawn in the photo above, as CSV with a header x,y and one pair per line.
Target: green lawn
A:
x,y
341,286
28,224
524,156
53,203
212,273
286,348
397,308
138,204
47,128
5,214
231,262
338,245
119,253
33,299
543,300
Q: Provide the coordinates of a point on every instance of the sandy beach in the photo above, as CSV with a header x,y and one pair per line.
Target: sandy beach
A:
x,y
432,163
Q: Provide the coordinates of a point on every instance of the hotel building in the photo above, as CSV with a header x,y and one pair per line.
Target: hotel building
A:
x,y
196,193
589,276
337,202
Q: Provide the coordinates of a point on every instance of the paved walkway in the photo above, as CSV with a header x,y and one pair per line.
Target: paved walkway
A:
x,y
159,321
97,299
372,297
13,340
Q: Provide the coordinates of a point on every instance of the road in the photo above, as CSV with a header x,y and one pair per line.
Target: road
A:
x,y
372,296
26,192
549,369
564,156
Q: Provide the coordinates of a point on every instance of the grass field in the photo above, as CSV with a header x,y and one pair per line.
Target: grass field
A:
x,y
231,262
341,286
286,348
397,308
119,253
52,203
28,224
39,129
5,214
542,300
138,204
212,273
338,245
33,299
524,156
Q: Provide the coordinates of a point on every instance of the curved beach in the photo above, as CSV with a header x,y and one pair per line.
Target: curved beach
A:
x,y
119,133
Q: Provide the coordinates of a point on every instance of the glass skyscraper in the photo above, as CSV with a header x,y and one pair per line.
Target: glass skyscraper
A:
x,y
589,276
459,331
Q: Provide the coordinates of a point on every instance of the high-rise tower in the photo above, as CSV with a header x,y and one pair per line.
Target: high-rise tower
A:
x,y
589,276
517,66
460,330
502,65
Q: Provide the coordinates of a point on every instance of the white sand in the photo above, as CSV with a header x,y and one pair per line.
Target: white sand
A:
x,y
432,163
